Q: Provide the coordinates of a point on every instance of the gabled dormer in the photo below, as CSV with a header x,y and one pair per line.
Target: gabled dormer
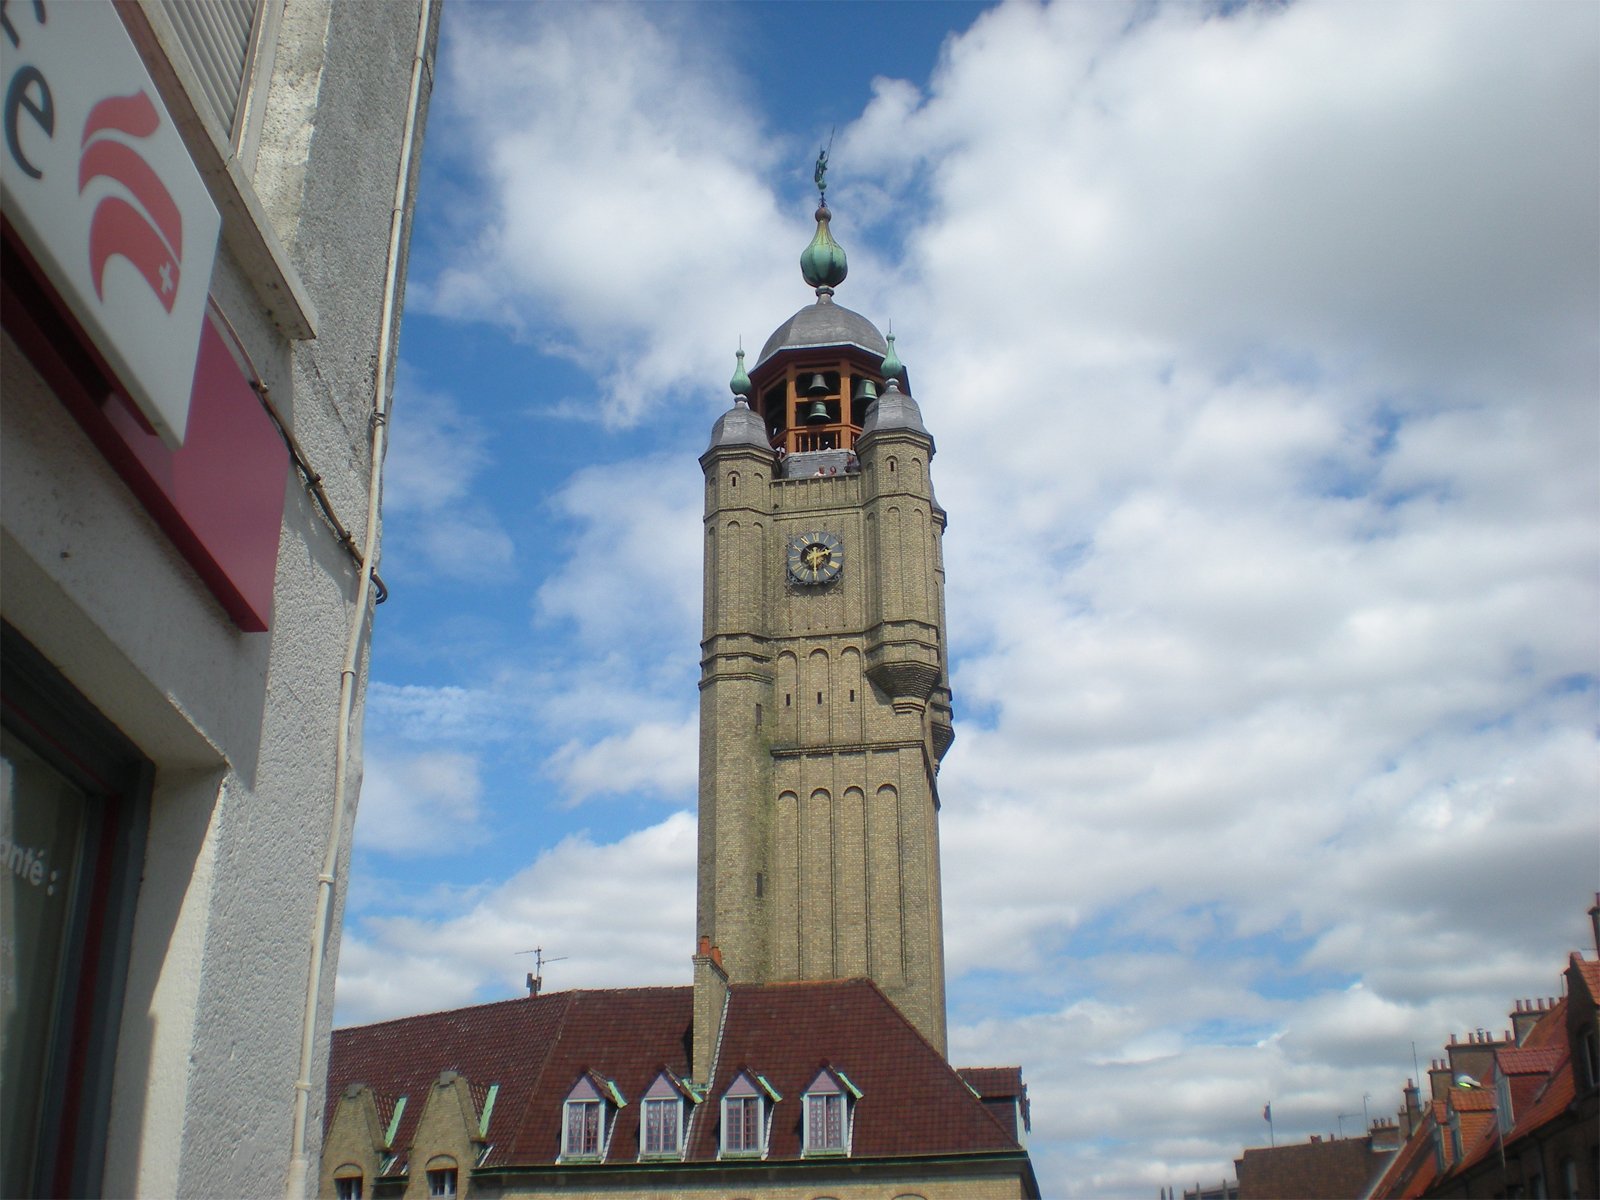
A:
x,y
747,1108
828,1113
664,1116
589,1114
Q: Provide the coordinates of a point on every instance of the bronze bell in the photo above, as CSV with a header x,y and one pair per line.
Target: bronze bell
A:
x,y
817,412
866,392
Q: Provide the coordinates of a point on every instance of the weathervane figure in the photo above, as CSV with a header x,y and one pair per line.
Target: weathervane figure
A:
x,y
820,175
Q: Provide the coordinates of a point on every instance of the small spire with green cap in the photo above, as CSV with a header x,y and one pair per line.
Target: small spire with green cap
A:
x,y
893,368
739,385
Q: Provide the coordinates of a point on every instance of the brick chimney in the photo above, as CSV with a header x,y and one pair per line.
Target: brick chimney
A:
x,y
1383,1136
1475,1056
1439,1077
1411,1114
710,1004
1525,1016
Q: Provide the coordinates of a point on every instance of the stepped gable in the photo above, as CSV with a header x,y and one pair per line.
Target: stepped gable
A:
x,y
912,1102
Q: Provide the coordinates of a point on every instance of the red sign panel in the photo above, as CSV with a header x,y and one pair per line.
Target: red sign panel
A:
x,y
219,498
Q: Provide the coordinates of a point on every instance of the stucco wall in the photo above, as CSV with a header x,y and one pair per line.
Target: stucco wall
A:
x,y
241,727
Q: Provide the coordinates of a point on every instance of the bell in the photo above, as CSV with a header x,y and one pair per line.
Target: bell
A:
x,y
866,392
818,387
817,412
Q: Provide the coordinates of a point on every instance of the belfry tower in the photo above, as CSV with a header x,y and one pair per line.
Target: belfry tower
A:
x,y
824,690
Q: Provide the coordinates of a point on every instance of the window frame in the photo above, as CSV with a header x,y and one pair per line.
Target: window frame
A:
x,y
671,1110
590,1094
829,1088
748,1093
54,721
444,1177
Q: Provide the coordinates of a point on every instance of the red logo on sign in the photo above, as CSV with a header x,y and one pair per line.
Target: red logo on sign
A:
x,y
151,240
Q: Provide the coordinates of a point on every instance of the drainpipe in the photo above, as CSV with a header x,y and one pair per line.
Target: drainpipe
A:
x,y
299,1160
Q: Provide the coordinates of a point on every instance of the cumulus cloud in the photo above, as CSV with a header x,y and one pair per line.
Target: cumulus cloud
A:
x,y
1261,348
421,804
621,913
439,523
624,220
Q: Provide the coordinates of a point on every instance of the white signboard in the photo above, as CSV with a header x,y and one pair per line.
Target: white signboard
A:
x,y
97,181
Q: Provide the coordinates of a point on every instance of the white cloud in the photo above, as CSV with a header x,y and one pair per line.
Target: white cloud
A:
x,y
1261,351
621,914
652,757
632,574
420,804
624,221
436,455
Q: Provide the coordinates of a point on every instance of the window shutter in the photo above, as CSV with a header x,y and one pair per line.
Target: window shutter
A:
x,y
216,37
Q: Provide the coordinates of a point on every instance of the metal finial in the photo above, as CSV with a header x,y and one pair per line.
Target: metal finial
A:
x,y
820,175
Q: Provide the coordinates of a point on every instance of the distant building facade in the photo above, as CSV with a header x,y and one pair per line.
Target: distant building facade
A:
x,y
807,1058
1516,1115
206,211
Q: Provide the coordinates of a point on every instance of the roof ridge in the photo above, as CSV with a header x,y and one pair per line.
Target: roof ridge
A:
x,y
445,1012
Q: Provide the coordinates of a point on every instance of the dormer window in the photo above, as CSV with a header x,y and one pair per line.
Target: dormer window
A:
x,y
589,1113
746,1115
661,1117
829,1108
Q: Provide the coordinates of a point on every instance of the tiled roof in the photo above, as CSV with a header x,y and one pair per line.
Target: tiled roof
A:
x,y
912,1101
536,1048
994,1082
1309,1170
1589,969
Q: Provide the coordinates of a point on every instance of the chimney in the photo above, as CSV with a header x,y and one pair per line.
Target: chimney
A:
x,y
1411,1114
1524,1017
710,1006
1439,1076
1475,1056
1384,1135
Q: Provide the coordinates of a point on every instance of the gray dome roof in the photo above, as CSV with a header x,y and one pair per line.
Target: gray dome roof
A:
x,y
824,324
894,410
739,426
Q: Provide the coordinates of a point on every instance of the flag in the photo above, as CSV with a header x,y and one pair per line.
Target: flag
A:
x,y
1266,1113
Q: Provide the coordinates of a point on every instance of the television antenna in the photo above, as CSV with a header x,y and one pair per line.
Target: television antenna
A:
x,y
536,976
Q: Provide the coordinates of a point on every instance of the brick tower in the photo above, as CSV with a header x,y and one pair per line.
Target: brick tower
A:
x,y
824,693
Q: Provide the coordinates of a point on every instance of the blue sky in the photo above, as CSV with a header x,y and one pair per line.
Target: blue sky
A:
x,y
1260,347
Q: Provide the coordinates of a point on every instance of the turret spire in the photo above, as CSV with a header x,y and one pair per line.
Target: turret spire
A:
x,y
739,385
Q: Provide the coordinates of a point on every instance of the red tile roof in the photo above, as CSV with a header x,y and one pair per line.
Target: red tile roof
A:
x,y
912,1102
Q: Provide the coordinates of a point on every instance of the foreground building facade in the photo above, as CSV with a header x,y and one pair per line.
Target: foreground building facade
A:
x,y
206,211
807,1058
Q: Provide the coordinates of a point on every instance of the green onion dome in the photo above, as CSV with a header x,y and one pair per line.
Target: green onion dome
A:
x,y
822,263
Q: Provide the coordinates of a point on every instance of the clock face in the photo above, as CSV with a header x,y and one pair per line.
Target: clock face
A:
x,y
815,558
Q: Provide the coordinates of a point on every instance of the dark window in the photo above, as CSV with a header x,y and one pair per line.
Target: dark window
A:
x,y
347,1187
442,1181
74,805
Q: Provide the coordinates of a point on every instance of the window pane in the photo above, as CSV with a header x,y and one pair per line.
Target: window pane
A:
x,y
43,823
